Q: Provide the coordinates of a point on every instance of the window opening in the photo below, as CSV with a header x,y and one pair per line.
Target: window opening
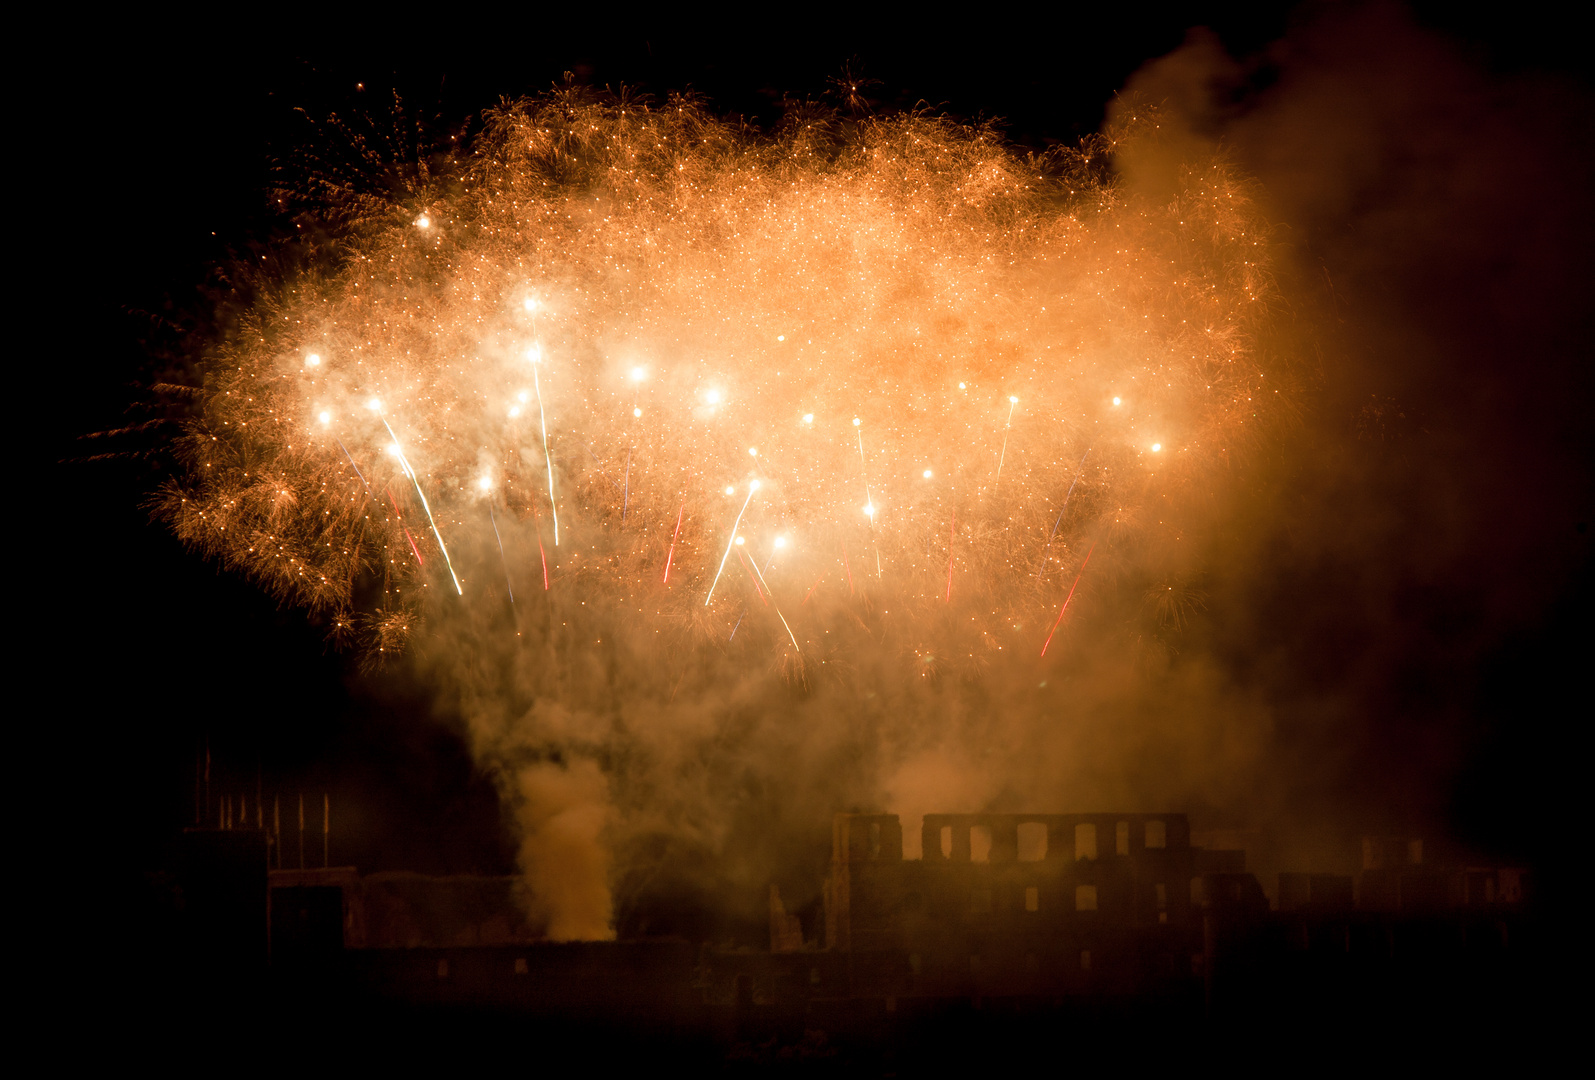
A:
x,y
1085,841
1032,898
1157,834
1032,841
946,841
980,843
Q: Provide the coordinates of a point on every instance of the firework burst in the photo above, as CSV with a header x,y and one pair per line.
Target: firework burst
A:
x,y
628,320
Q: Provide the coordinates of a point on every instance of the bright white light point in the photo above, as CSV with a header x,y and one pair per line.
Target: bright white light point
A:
x,y
638,374
740,541
636,412
375,405
313,359
753,451
325,418
486,483
712,397
1156,447
730,490
927,474
530,303
857,421
393,448
869,508
808,418
1115,401
780,337
961,386
753,485
534,354
424,222
1013,400
515,410
780,541
523,397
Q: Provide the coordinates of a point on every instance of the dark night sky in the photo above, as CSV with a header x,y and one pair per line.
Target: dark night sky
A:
x,y
154,156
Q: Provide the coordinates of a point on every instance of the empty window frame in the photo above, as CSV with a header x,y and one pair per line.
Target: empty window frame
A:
x,y
1121,838
875,840
1162,893
1085,897
980,843
1085,841
1032,898
1032,841
1157,834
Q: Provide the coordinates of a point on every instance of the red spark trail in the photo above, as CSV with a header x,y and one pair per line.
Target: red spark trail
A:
x,y
810,593
1066,599
538,523
389,493
672,556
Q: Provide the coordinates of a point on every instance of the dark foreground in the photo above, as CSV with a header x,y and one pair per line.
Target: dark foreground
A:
x,y
1425,992
947,964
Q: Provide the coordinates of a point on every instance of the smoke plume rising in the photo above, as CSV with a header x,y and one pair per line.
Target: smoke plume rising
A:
x,y
1108,405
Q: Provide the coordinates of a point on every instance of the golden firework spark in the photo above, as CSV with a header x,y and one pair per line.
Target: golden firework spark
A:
x,y
778,294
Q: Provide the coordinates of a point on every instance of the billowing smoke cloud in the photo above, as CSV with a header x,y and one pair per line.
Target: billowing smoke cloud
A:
x,y
561,810
1208,442
1378,586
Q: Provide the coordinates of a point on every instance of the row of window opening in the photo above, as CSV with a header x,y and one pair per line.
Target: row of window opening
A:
x,y
1085,899
1033,840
